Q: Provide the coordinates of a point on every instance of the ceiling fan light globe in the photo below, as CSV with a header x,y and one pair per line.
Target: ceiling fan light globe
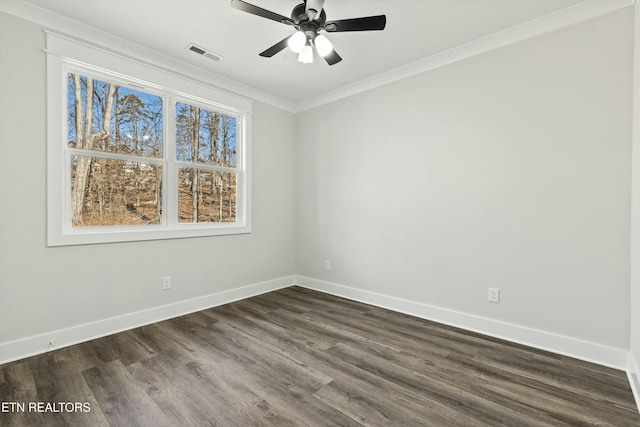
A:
x,y
297,41
306,56
323,45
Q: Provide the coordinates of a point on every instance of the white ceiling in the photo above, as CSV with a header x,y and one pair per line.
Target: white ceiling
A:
x,y
415,29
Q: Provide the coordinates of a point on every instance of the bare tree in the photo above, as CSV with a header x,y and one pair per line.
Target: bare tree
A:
x,y
85,139
214,129
195,149
220,184
77,201
225,141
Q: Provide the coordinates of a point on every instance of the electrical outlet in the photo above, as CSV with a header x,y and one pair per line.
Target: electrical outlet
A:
x,y
494,295
327,265
166,283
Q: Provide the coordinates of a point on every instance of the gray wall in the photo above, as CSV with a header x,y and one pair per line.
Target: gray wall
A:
x,y
45,289
635,219
510,169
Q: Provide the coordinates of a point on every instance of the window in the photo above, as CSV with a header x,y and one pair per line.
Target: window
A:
x,y
138,153
114,152
207,175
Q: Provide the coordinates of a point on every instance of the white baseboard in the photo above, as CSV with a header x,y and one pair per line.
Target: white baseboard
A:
x,y
564,345
30,346
633,372
579,349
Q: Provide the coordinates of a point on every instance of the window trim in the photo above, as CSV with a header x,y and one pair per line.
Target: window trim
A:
x,y
68,55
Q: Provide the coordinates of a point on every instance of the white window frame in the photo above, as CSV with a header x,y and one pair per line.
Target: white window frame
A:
x,y
65,55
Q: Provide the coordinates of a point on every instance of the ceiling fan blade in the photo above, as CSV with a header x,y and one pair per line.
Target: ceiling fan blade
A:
x,y
255,10
368,23
313,5
333,58
275,48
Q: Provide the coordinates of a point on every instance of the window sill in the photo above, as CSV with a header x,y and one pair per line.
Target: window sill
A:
x,y
100,235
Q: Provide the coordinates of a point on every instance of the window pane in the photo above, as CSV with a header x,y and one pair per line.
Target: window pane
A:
x,y
104,116
204,136
115,192
206,196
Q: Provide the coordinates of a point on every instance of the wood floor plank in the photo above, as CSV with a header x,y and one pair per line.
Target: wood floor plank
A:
x,y
446,393
304,354
56,381
562,377
120,398
360,327
560,405
363,407
318,333
226,402
449,337
158,337
298,357
288,369
270,386
18,386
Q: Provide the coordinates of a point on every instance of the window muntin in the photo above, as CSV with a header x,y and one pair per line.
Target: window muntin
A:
x,y
108,120
206,150
157,216
104,117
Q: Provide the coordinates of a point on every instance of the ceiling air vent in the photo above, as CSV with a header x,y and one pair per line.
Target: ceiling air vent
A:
x,y
203,52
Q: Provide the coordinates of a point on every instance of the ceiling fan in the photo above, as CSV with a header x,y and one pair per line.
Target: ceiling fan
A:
x,y
309,18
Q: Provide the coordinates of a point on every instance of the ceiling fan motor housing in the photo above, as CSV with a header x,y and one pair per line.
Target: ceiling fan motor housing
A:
x,y
306,25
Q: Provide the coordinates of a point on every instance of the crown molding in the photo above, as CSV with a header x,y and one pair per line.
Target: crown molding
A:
x,y
70,28
554,21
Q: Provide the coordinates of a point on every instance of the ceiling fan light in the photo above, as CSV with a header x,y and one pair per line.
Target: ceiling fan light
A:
x,y
297,41
306,56
323,45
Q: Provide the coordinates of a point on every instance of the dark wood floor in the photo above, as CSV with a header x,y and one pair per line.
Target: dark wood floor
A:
x,y
298,357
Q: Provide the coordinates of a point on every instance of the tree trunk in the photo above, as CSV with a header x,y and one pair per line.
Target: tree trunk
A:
x,y
214,127
195,147
117,123
158,173
225,142
87,140
220,197
82,163
229,192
